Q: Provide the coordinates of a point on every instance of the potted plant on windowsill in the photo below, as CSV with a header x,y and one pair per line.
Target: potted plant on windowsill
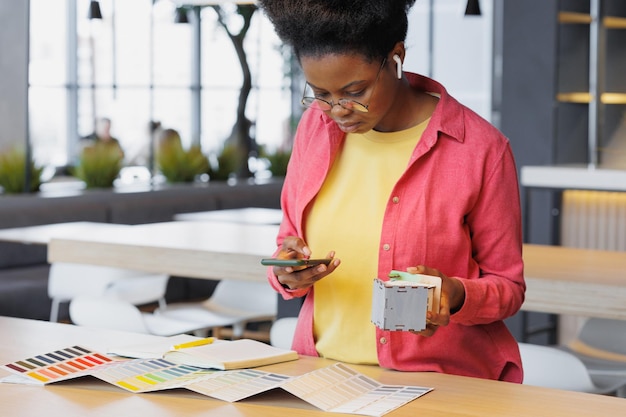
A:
x,y
13,175
178,164
99,165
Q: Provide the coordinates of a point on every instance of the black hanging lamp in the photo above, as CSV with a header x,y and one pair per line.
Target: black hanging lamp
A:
x,y
181,15
472,8
94,10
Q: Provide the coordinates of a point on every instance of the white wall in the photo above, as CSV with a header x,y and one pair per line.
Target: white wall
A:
x,y
462,50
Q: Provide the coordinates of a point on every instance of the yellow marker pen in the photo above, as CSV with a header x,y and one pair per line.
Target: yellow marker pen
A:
x,y
194,343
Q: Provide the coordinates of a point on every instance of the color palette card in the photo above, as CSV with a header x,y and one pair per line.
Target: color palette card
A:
x,y
147,375
336,388
236,385
59,365
339,389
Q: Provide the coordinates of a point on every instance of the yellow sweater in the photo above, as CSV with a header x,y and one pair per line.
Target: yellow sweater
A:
x,y
347,217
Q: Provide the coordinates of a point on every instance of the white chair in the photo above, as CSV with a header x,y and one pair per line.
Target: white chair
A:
x,y
601,346
550,367
108,312
233,303
67,280
282,332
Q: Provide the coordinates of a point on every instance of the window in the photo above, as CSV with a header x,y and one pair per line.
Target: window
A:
x,y
136,65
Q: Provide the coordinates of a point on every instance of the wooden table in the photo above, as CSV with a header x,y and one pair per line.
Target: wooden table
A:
x,y
246,215
453,396
559,280
209,250
582,282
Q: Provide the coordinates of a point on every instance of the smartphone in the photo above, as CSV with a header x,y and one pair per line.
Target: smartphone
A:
x,y
307,263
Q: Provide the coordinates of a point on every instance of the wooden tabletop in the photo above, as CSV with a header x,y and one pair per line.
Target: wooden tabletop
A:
x,y
559,280
453,396
209,250
583,282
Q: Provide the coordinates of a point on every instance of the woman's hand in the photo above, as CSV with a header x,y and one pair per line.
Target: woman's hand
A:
x,y
296,278
452,299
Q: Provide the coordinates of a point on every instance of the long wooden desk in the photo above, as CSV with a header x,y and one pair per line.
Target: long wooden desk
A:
x,y
209,250
453,396
581,282
559,280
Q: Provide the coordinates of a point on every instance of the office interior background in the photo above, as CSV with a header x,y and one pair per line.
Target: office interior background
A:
x,y
136,65
516,64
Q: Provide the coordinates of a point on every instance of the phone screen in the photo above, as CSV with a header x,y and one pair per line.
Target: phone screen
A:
x,y
294,262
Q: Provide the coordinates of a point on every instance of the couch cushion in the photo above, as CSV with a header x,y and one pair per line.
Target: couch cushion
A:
x,y
24,293
33,210
160,205
265,195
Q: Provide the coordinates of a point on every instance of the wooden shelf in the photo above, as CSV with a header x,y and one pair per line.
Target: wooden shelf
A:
x,y
585,98
614,22
613,98
579,98
575,18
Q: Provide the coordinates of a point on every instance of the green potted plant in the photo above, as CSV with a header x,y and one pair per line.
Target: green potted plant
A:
x,y
278,162
99,165
227,163
178,164
13,172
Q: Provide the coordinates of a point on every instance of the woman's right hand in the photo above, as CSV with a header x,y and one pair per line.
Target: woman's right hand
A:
x,y
298,278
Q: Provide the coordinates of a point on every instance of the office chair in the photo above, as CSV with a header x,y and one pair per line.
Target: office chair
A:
x,y
68,280
282,332
601,346
233,303
109,312
551,367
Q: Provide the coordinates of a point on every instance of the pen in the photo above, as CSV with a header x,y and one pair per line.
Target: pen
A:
x,y
201,342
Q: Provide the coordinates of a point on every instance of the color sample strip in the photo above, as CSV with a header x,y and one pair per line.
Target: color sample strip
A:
x,y
145,375
335,388
339,389
236,385
59,365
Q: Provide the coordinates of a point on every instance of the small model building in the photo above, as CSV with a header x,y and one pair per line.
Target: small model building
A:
x,y
402,302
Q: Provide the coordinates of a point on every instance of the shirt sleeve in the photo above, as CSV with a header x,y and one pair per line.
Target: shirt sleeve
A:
x,y
495,224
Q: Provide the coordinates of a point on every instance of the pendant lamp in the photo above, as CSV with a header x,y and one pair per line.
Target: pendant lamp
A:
x,y
94,10
472,8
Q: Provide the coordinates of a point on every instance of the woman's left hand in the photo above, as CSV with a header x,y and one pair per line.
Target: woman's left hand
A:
x,y
452,298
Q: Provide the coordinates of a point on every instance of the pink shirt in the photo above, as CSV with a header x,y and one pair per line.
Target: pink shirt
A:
x,y
456,208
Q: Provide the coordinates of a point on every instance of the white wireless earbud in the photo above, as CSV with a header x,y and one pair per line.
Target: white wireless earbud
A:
x,y
396,58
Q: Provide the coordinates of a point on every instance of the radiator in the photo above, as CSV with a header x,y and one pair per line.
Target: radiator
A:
x,y
594,220
590,220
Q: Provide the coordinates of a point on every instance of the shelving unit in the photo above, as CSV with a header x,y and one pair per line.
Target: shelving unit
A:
x,y
591,86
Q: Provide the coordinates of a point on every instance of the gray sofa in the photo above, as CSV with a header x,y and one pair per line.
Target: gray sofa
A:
x,y
24,269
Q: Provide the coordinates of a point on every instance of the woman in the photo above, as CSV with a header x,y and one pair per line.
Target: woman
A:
x,y
390,172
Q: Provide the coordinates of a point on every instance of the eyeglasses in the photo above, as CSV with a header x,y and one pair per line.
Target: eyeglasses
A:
x,y
346,103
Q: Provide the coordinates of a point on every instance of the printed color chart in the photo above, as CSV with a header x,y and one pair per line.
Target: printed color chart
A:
x,y
59,365
336,388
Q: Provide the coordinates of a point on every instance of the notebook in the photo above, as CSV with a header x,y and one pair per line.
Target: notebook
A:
x,y
237,354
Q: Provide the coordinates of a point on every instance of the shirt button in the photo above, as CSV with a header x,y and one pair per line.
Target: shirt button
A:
x,y
383,340
396,200
386,246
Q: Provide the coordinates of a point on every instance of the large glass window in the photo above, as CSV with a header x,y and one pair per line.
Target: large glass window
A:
x,y
136,66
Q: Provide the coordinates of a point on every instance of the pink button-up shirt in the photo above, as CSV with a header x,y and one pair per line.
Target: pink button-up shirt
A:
x,y
456,208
